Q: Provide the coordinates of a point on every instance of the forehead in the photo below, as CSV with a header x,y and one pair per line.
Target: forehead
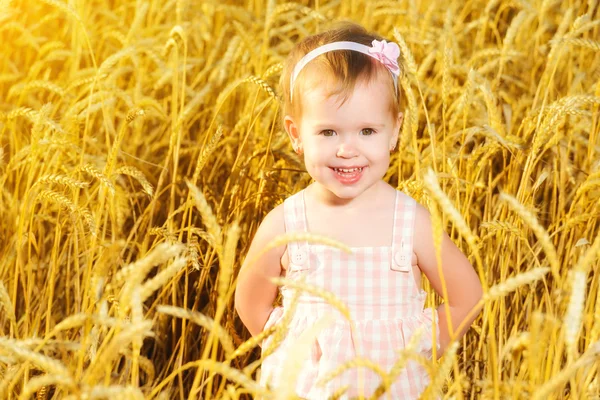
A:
x,y
370,97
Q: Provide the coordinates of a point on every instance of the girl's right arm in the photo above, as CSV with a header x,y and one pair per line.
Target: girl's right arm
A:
x,y
255,293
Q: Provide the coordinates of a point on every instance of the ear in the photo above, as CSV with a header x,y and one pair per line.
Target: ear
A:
x,y
293,132
396,132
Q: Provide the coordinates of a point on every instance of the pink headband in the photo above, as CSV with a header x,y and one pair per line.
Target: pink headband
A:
x,y
386,53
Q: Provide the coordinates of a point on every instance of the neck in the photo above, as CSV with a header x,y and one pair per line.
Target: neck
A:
x,y
370,197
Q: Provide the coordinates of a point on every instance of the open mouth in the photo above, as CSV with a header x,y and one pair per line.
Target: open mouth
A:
x,y
348,176
348,170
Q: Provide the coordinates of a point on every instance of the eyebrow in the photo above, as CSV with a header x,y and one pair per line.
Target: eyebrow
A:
x,y
324,125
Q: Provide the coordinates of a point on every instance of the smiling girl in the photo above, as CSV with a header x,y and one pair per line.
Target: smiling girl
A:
x,y
342,114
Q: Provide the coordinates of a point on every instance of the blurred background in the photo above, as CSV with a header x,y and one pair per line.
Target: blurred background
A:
x,y
141,145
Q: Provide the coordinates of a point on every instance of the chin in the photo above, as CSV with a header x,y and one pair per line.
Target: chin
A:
x,y
343,194
340,190
347,192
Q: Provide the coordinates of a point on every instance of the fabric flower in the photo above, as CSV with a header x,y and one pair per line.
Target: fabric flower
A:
x,y
387,54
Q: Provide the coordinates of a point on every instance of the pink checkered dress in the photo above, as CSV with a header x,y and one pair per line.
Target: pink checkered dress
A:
x,y
378,287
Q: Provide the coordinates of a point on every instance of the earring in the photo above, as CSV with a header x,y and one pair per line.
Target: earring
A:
x,y
297,148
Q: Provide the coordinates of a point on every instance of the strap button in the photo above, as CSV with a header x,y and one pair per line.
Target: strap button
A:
x,y
400,258
401,261
299,257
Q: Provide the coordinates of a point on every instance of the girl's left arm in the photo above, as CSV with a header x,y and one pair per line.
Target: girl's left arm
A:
x,y
462,283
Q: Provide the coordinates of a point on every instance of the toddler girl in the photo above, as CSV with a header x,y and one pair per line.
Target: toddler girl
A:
x,y
342,113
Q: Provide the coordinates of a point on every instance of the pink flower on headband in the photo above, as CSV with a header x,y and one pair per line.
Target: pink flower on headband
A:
x,y
387,54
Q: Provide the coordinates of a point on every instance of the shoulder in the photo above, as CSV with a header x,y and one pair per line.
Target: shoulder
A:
x,y
422,214
273,223
407,200
422,217
276,218
423,232
267,260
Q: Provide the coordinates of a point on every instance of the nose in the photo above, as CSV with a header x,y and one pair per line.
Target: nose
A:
x,y
347,149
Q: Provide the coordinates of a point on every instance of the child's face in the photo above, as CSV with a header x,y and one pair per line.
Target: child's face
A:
x,y
356,136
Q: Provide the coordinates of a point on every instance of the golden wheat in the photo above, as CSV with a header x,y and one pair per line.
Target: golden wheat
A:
x,y
572,322
108,110
40,383
316,291
41,361
6,303
513,283
203,321
588,357
539,231
435,388
356,363
295,358
208,217
279,332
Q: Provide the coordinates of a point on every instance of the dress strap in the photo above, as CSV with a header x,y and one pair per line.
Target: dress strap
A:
x,y
295,222
404,222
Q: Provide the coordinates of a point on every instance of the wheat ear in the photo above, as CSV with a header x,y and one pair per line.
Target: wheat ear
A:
x,y
203,321
539,231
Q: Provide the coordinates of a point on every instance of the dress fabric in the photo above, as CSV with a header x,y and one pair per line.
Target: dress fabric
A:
x,y
378,287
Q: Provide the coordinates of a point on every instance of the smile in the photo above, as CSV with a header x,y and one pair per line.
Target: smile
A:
x,y
348,170
348,176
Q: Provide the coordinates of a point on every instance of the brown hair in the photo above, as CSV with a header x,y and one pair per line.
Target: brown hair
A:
x,y
343,67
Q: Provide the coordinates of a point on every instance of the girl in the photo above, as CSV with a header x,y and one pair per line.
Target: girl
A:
x,y
341,112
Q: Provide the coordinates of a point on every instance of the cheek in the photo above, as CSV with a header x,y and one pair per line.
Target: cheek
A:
x,y
379,149
383,158
313,151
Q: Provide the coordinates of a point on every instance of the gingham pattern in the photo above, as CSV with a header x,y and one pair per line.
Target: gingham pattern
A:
x,y
378,287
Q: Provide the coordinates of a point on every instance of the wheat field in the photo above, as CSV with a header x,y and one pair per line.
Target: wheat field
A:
x,y
140,146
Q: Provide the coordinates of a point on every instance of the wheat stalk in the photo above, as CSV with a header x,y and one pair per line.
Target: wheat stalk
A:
x,y
399,365
206,212
7,304
207,151
564,375
120,392
41,361
327,296
281,328
227,262
511,96
152,285
96,173
40,384
111,351
61,180
586,43
252,342
513,283
204,321
357,362
575,309
264,86
407,55
138,270
193,252
539,231
431,183
494,226
294,359
515,343
435,388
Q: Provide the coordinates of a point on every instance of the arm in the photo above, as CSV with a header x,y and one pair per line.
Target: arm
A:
x,y
462,283
255,293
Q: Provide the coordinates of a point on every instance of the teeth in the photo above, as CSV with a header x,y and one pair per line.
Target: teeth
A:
x,y
348,170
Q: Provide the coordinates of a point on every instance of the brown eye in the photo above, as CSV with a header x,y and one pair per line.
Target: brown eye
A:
x,y
328,132
367,132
